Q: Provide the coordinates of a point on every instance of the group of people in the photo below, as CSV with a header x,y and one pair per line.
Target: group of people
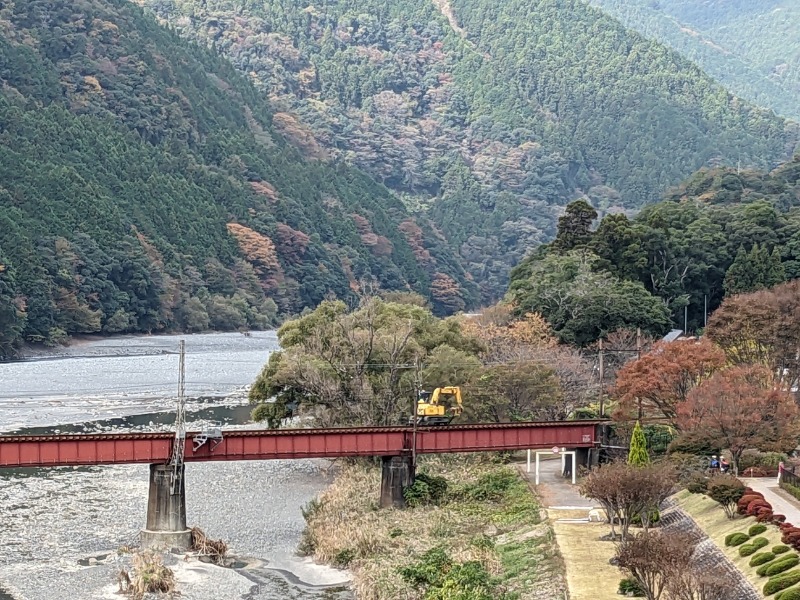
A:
x,y
720,464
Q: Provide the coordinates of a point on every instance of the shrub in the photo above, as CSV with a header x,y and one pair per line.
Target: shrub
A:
x,y
756,530
753,507
761,558
491,486
764,516
777,519
747,550
792,489
792,594
763,460
426,489
727,491
741,505
654,516
780,549
753,546
630,587
736,539
698,484
781,582
781,565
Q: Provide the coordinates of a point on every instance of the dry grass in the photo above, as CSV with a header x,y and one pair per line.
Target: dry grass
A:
x,y
348,530
589,574
149,575
711,519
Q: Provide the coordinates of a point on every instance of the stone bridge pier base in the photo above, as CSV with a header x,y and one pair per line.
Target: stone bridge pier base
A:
x,y
166,512
397,473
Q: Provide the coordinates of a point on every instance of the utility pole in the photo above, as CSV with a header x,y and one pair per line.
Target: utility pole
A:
x,y
415,418
686,320
180,424
602,379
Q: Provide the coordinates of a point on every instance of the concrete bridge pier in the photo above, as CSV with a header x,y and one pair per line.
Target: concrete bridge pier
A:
x,y
166,512
397,473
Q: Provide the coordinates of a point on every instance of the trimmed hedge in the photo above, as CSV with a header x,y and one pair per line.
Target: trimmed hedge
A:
x,y
747,550
784,564
760,542
781,582
736,539
780,549
792,594
761,558
757,529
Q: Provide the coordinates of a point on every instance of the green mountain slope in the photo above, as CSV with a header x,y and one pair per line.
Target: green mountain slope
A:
x,y
753,48
486,116
143,187
719,233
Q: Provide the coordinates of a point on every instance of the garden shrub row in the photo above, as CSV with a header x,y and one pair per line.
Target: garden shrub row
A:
x,y
754,546
761,558
781,582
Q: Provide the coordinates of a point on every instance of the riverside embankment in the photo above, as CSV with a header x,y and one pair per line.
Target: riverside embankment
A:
x,y
60,529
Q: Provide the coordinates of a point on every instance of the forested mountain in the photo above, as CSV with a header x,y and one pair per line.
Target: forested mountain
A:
x,y
487,116
721,232
143,187
752,47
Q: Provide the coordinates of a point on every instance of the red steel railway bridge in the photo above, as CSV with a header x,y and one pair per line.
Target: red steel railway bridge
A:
x,y
398,447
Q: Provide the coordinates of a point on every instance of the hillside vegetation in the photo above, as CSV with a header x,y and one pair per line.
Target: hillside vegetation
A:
x,y
487,117
720,233
753,48
143,187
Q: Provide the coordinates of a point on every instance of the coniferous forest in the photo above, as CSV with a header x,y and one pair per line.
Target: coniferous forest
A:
x,y
143,187
487,117
221,164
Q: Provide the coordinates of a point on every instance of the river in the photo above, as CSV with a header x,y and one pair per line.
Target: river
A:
x,y
61,529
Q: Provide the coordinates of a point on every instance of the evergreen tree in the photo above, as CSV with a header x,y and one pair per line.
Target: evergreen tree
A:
x,y
759,265
637,455
775,272
12,320
574,226
739,276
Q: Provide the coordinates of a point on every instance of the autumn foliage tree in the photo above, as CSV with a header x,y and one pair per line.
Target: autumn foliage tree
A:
x,y
762,328
740,408
662,379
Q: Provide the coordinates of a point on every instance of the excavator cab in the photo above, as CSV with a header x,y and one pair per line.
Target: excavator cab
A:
x,y
432,411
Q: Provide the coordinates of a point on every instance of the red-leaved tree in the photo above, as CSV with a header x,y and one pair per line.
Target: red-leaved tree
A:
x,y
741,408
663,378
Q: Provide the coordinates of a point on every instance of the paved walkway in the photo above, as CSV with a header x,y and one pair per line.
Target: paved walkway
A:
x,y
588,572
556,492
782,503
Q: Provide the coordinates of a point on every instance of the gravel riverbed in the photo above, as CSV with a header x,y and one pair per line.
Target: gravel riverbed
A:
x,y
60,530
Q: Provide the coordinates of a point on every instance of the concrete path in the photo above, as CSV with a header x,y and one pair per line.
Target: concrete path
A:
x,y
782,503
555,491
589,574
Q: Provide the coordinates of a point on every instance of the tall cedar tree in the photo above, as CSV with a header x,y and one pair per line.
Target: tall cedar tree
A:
x,y
662,379
740,408
574,226
637,455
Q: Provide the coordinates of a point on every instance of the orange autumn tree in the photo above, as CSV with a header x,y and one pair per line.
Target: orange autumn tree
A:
x,y
260,252
664,377
741,408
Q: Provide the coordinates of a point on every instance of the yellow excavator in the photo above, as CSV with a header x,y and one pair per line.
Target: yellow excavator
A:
x,y
432,411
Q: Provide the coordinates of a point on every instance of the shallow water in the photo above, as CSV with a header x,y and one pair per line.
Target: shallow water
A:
x,y
52,521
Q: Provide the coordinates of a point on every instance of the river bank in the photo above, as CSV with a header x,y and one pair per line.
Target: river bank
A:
x,y
476,528
60,529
